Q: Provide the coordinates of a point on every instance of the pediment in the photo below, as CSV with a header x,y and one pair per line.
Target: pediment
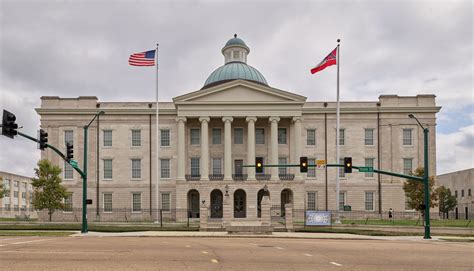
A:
x,y
239,92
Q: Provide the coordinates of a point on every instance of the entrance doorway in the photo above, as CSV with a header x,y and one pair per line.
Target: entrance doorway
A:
x,y
216,203
286,197
240,199
193,203
260,195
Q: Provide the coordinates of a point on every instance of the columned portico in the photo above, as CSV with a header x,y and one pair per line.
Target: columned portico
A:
x,y
297,142
274,146
227,148
251,146
181,151
204,148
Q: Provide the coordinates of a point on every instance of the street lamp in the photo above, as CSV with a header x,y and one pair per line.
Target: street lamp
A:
x,y
84,176
425,179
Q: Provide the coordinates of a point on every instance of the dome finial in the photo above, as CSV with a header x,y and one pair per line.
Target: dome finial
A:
x,y
235,35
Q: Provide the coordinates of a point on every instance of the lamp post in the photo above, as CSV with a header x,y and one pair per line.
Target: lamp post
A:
x,y
84,176
425,179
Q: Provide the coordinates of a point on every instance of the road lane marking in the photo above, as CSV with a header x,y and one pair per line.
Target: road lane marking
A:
x,y
309,255
205,252
214,261
2,245
338,264
188,246
26,242
279,248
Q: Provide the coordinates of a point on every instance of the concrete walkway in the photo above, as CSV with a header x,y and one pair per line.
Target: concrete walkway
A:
x,y
295,235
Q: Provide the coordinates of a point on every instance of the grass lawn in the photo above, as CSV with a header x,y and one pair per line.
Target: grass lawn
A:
x,y
92,227
34,233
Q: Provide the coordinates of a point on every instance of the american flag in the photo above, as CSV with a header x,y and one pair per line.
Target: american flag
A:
x,y
142,59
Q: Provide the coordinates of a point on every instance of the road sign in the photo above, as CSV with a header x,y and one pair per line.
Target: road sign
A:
x,y
366,169
73,163
320,164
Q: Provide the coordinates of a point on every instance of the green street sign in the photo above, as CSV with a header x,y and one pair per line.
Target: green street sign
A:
x,y
366,169
73,164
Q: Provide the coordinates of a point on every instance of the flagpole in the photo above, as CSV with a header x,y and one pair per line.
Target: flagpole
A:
x,y
157,145
338,221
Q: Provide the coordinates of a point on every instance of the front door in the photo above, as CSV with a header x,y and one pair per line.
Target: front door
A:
x,y
193,199
240,204
216,204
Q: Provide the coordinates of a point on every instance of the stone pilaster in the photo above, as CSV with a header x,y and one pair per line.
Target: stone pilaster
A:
x,y
227,212
250,147
289,217
227,148
265,211
203,216
297,141
181,148
274,146
204,148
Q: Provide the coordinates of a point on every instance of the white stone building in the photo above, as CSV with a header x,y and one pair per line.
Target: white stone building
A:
x,y
17,203
207,135
461,184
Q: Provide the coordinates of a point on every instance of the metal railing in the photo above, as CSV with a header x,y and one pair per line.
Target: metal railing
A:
x,y
192,177
239,177
216,177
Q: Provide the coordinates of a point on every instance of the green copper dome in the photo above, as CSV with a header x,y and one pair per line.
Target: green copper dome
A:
x,y
235,41
233,71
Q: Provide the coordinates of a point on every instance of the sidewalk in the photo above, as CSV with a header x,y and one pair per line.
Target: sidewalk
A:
x,y
295,235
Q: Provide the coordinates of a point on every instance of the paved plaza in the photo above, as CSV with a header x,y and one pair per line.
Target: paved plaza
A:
x,y
97,251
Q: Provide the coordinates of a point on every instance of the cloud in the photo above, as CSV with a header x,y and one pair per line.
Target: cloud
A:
x,y
455,150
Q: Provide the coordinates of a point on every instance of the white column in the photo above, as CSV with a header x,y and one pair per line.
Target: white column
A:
x,y
297,142
274,146
204,148
181,147
227,148
250,147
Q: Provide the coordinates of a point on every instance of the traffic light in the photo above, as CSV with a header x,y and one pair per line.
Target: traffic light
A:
x,y
259,165
303,164
8,124
69,151
43,139
347,164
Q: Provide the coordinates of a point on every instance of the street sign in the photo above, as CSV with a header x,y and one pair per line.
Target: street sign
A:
x,y
73,163
320,164
366,169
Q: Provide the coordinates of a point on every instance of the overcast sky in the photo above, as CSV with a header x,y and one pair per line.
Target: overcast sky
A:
x,y
73,48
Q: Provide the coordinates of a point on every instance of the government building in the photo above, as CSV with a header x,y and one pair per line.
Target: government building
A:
x,y
207,137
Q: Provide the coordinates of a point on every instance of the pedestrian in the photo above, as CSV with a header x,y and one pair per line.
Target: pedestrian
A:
x,y
390,214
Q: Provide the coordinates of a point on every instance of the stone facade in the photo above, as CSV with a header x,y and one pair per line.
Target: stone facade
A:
x,y
18,202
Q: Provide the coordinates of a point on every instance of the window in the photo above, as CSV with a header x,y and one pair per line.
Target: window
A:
x,y
311,201
469,192
15,184
238,136
407,137
165,138
282,161
369,137
462,193
369,201
407,165
68,203
136,202
456,193
165,202
23,196
195,137
342,135
341,169
216,136
216,166
108,169
238,166
165,168
136,168
68,171
25,185
136,138
195,166
107,138
311,137
15,194
369,162
311,170
281,135
107,202
7,184
7,206
259,136
342,200
236,54
68,137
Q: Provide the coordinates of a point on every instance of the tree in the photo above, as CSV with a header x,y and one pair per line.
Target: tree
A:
x,y
48,192
3,190
414,191
447,202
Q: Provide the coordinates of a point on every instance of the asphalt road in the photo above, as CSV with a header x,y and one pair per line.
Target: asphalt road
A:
x,y
187,253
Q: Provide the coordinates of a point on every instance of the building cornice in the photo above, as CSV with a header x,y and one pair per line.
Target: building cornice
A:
x,y
108,111
355,110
